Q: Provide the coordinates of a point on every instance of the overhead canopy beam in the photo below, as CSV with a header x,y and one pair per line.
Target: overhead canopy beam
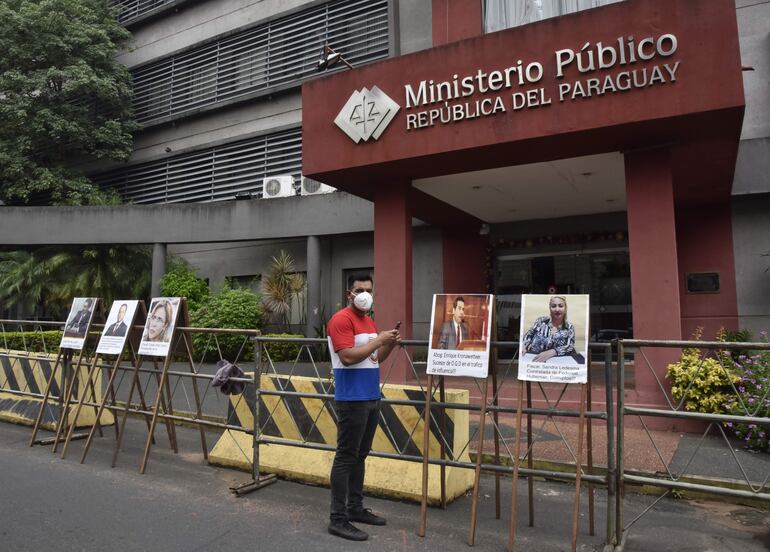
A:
x,y
329,214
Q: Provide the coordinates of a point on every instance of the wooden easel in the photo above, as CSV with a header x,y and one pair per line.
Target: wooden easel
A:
x,y
64,356
135,384
69,377
584,394
426,455
480,451
163,385
101,403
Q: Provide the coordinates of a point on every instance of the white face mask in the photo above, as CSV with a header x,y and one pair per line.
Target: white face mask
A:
x,y
363,301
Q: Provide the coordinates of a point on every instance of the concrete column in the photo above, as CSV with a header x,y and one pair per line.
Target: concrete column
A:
x,y
393,266
158,267
654,264
464,260
705,244
313,285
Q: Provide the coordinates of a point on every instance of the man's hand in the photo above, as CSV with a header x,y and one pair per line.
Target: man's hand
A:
x,y
383,344
545,356
389,338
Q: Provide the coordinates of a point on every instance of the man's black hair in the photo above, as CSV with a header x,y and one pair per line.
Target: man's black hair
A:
x,y
458,299
359,277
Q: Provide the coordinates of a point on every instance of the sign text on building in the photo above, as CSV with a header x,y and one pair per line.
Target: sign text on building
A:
x,y
452,100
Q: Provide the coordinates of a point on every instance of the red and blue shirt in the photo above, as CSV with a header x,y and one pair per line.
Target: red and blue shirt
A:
x,y
361,381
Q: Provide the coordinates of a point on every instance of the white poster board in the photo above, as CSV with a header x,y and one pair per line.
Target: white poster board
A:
x,y
460,330
159,327
554,338
117,327
78,322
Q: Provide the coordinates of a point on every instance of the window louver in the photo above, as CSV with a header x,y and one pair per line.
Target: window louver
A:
x,y
130,10
279,52
214,174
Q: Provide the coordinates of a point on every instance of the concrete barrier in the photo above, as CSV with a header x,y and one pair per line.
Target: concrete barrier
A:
x,y
30,372
313,420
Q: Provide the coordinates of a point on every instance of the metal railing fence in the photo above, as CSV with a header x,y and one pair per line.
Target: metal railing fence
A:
x,y
684,402
195,376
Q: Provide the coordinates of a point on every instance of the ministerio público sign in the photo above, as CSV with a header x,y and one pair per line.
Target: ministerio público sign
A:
x,y
647,63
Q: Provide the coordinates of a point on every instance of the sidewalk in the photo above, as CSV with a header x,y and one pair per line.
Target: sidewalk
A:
x,y
684,453
182,504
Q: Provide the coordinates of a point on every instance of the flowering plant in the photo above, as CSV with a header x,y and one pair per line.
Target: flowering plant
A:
x,y
753,398
701,382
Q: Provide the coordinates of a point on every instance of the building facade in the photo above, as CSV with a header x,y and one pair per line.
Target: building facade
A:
x,y
511,163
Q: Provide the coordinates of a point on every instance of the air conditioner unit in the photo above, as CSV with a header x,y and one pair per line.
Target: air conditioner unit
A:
x,y
278,186
313,187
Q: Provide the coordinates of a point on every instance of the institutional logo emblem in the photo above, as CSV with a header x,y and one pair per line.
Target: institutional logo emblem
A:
x,y
366,114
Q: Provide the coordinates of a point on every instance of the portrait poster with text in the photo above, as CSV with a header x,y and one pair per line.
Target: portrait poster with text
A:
x,y
554,338
78,322
159,327
460,330
117,327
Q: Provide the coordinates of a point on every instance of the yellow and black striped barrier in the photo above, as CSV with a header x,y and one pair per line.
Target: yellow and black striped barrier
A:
x,y
23,379
313,420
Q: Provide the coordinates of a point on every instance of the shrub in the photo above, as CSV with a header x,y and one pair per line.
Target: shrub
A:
x,y
703,382
33,340
753,369
230,308
182,281
281,352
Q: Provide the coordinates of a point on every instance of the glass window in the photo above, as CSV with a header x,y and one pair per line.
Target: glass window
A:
x,y
504,14
251,282
605,276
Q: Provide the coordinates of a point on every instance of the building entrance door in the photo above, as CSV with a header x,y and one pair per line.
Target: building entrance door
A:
x,y
603,274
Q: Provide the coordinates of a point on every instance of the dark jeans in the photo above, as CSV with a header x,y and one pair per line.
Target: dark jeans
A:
x,y
356,424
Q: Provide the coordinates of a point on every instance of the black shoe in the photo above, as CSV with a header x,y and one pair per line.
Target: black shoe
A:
x,y
347,531
366,516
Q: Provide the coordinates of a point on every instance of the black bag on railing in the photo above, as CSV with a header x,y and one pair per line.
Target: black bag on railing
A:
x,y
225,371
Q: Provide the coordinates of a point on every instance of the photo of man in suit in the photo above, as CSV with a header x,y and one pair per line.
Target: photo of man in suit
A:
x,y
78,324
454,332
119,328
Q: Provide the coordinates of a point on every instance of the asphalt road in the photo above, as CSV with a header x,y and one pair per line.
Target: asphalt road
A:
x,y
182,504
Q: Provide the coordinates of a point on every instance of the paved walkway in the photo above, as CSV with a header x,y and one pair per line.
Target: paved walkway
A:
x,y
182,504
695,454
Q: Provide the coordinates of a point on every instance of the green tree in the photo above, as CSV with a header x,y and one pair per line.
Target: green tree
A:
x,y
51,276
109,272
182,281
64,99
230,308
27,279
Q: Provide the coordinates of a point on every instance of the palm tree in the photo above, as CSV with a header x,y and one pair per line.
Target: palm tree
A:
x,y
281,286
44,281
27,279
298,285
109,272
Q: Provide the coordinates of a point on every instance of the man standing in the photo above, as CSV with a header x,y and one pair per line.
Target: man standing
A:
x,y
119,328
456,330
356,348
